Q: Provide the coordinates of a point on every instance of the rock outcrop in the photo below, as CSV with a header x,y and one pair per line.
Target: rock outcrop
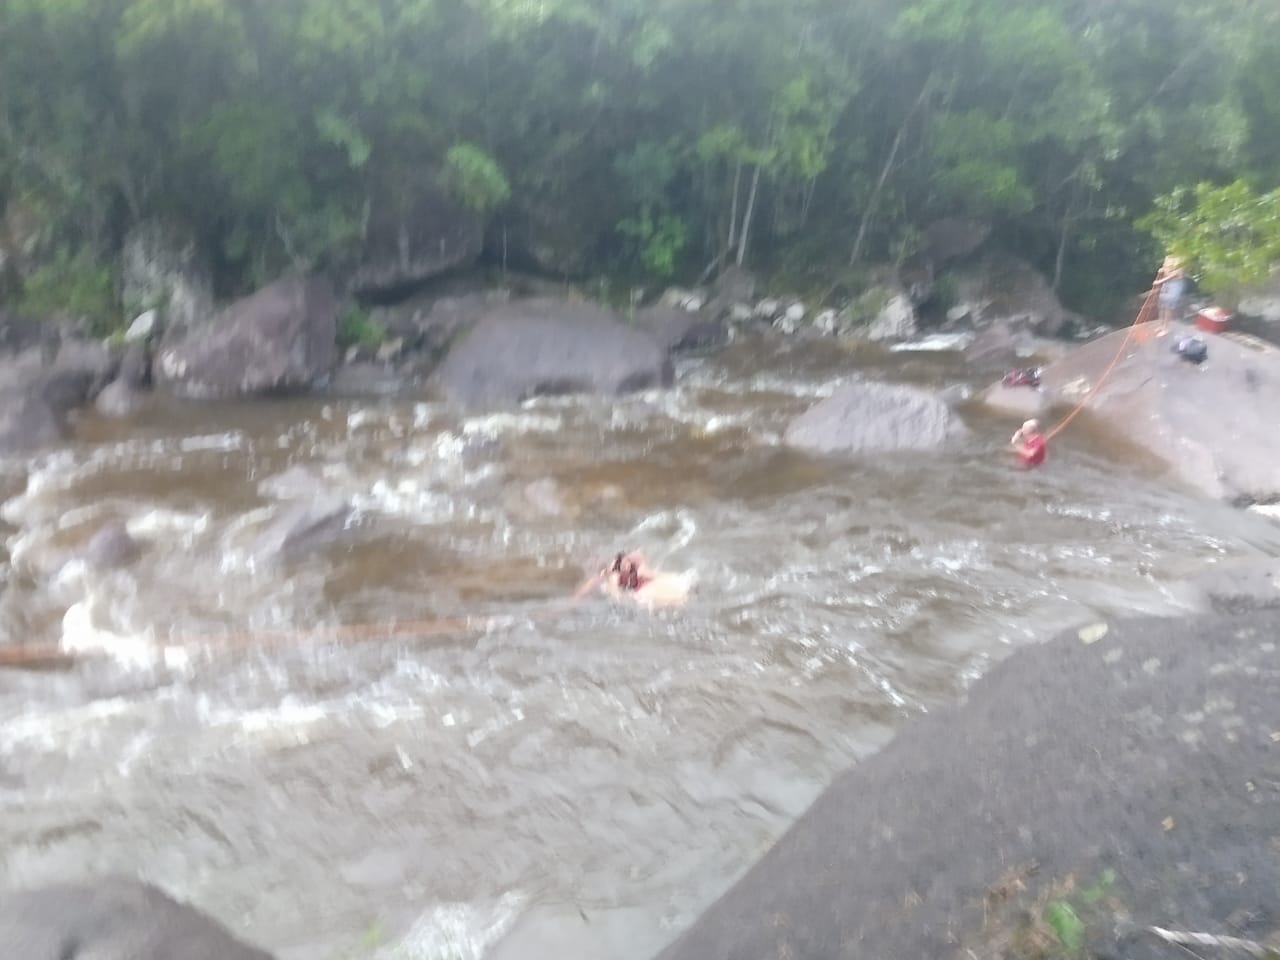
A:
x,y
1213,423
279,339
37,392
1128,770
865,417
407,243
546,347
112,919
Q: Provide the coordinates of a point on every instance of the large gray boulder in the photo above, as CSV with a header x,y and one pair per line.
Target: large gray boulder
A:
x,y
1127,770
279,339
409,241
112,919
38,392
547,347
1213,423
865,417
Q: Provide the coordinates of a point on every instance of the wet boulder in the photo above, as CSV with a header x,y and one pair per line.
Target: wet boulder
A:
x,y
1214,422
1005,291
864,417
37,393
680,331
110,548
304,527
545,347
280,339
126,394
112,919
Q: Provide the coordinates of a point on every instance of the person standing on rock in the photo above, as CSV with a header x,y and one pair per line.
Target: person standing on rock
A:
x,y
1172,283
1029,444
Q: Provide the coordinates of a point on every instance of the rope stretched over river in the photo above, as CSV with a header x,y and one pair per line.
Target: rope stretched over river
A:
x,y
52,656
1144,315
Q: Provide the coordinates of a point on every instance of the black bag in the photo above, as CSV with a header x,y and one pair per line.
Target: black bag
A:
x,y
1192,349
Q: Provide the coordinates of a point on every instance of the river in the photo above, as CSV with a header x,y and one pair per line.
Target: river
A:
x,y
535,786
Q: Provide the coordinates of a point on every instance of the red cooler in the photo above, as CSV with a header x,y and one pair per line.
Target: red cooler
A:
x,y
1213,320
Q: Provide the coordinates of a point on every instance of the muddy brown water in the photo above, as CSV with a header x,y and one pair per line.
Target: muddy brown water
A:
x,y
537,787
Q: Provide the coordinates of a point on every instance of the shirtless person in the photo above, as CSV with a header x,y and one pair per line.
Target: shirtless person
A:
x,y
631,576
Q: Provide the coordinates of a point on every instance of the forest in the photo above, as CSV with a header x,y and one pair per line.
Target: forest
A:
x,y
647,141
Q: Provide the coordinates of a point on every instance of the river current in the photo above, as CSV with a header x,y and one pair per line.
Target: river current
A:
x,y
529,786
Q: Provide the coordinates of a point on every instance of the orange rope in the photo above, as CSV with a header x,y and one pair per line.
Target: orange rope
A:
x,y
1142,316
50,656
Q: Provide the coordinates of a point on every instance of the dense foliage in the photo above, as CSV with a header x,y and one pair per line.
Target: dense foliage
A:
x,y
668,134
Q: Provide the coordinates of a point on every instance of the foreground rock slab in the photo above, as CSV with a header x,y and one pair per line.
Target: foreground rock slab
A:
x,y
112,919
545,347
1214,423
1130,770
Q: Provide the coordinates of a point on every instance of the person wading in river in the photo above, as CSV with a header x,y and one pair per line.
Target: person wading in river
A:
x,y
1029,444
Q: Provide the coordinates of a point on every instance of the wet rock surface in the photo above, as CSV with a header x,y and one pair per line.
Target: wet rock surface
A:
x,y
867,416
112,919
1139,758
545,347
276,340
1203,419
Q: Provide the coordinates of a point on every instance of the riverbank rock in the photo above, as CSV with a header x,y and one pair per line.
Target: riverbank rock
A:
x,y
1263,301
1000,289
1125,771
680,331
112,919
277,340
1213,423
37,394
407,243
863,417
548,347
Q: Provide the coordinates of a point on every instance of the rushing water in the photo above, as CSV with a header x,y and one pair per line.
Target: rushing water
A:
x,y
537,786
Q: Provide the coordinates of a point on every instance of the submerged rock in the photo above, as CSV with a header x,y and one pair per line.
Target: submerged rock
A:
x,y
112,918
864,416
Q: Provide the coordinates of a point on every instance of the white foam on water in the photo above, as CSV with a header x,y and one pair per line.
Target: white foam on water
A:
x,y
82,635
186,525
935,343
457,931
221,442
498,424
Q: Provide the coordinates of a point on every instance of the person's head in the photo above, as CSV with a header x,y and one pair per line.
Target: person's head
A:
x,y
1030,427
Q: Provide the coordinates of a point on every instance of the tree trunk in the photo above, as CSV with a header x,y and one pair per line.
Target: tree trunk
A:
x,y
1061,259
874,200
746,216
733,209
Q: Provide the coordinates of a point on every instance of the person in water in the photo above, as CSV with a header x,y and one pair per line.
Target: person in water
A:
x,y
1029,444
631,576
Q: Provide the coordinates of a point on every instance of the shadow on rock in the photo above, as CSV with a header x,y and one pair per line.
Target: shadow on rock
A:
x,y
112,919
